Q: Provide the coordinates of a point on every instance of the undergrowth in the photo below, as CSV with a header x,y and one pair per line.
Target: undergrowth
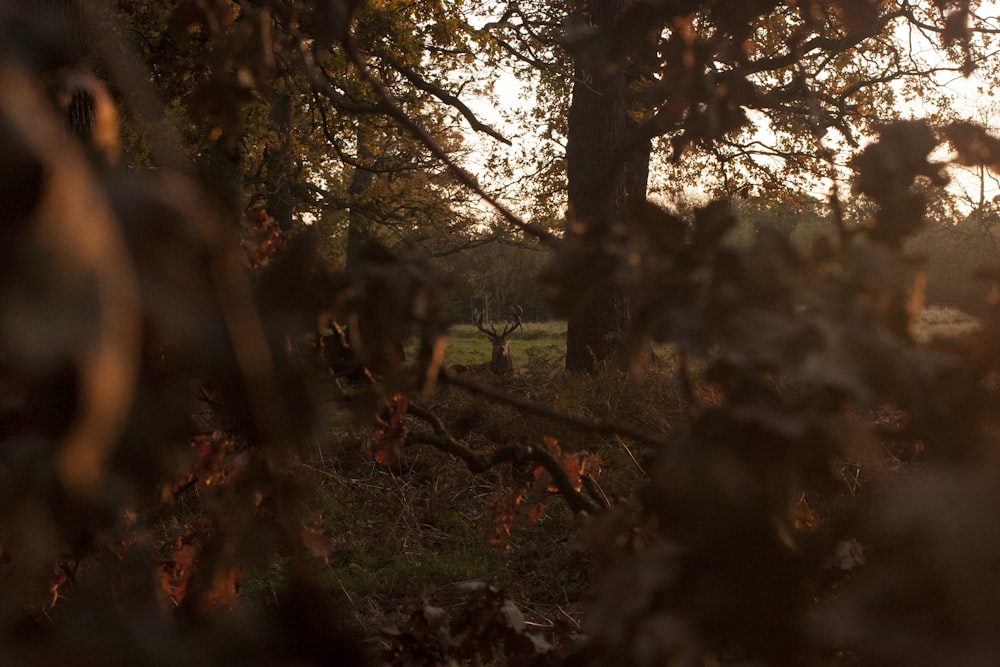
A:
x,y
419,530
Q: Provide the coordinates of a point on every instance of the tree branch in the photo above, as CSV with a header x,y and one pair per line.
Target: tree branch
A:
x,y
450,377
441,439
451,100
393,108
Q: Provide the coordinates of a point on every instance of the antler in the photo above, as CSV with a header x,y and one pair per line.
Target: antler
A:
x,y
477,318
514,323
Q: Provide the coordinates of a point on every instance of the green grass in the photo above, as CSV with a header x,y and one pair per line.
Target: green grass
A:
x,y
545,342
533,343
938,322
389,541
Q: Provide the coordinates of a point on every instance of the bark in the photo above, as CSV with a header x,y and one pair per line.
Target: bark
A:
x,y
222,172
598,193
359,229
281,163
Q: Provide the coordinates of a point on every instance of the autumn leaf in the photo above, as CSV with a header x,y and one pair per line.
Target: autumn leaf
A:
x,y
316,543
225,590
804,517
536,513
175,573
391,436
56,582
505,520
973,145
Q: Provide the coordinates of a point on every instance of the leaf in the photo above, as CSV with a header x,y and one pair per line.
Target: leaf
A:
x,y
974,145
316,543
505,519
390,439
858,15
956,28
225,590
804,518
571,464
536,513
886,171
175,573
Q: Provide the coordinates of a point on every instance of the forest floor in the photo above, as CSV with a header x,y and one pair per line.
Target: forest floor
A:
x,y
412,535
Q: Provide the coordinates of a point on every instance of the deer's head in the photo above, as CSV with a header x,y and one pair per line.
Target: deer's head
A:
x,y
500,362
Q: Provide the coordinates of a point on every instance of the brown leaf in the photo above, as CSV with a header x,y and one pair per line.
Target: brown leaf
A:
x,y
536,513
316,543
974,145
804,518
858,15
505,520
956,28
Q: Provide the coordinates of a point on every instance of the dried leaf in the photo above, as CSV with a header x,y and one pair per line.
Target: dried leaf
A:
x,y
316,543
536,513
804,518
505,519
974,145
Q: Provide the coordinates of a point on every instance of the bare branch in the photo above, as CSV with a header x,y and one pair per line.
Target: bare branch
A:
x,y
441,439
633,433
464,177
451,100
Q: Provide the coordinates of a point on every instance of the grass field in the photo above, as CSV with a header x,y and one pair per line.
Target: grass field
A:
x,y
545,342
534,342
938,322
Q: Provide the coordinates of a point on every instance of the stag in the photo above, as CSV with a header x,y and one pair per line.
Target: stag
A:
x,y
500,362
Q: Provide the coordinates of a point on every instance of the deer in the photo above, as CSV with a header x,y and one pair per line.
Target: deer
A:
x,y
500,363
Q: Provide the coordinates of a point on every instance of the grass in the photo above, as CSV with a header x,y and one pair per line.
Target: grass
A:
x,y
545,342
940,322
532,343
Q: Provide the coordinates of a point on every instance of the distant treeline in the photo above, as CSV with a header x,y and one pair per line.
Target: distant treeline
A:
x,y
494,278
499,275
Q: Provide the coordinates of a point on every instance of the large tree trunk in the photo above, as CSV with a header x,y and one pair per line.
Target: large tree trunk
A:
x,y
359,223
599,197
222,172
281,163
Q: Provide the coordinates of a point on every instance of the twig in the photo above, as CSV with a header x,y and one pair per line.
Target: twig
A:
x,y
621,443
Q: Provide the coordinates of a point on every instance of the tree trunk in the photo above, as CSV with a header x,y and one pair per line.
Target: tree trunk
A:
x,y
598,198
280,162
222,172
359,224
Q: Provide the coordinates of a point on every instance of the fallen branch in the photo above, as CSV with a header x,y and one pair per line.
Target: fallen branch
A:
x,y
448,376
441,439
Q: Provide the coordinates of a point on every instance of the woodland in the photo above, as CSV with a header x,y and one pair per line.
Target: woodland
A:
x,y
738,263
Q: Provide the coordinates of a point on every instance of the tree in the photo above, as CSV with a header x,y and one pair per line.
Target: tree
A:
x,y
286,111
597,127
816,78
